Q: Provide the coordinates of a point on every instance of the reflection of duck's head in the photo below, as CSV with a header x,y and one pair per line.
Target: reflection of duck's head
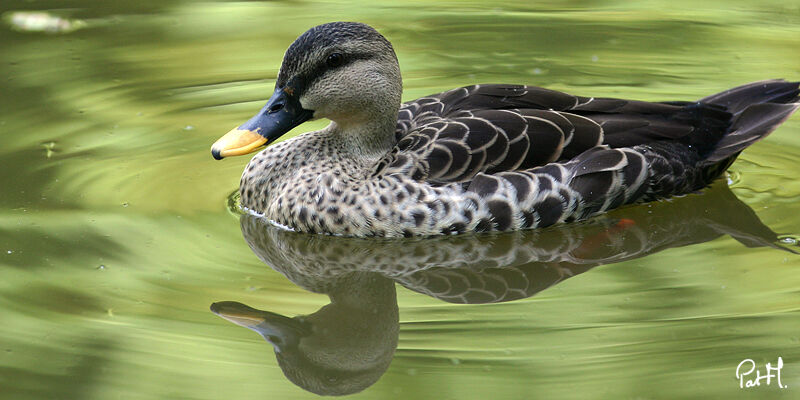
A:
x,y
342,348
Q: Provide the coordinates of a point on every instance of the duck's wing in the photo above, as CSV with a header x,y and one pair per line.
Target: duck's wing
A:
x,y
453,136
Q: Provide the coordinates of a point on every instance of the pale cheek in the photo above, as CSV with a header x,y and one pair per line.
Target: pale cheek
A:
x,y
327,101
308,104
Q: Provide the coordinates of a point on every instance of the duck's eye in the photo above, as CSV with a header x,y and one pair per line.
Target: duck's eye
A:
x,y
334,60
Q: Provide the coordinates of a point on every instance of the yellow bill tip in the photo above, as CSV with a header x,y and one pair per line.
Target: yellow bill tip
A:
x,y
237,142
238,313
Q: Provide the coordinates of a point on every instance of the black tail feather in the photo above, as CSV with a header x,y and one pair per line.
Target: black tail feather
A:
x,y
758,109
738,99
755,123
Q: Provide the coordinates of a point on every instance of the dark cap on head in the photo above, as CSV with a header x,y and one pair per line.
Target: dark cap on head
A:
x,y
322,37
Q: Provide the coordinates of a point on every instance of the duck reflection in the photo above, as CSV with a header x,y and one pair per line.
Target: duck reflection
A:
x,y
344,347
348,344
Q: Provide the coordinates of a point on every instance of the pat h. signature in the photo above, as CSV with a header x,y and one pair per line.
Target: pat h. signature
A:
x,y
746,369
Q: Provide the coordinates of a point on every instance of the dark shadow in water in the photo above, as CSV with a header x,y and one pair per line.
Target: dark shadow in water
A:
x,y
88,361
347,345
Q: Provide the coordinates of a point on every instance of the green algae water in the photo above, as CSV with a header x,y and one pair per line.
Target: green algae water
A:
x,y
116,235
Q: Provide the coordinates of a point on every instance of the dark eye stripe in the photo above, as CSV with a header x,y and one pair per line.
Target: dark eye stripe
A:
x,y
345,60
301,82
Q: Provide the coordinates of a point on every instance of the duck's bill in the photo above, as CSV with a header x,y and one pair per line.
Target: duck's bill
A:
x,y
279,330
281,113
237,142
260,320
238,313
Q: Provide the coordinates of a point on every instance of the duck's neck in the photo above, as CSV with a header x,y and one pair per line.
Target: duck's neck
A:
x,y
366,139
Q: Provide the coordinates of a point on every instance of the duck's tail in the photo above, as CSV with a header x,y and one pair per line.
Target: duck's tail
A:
x,y
728,123
603,178
751,112
757,108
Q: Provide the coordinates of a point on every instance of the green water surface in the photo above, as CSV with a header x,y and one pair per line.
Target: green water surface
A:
x,y
116,236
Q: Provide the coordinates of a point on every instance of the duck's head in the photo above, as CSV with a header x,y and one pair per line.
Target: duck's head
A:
x,y
344,71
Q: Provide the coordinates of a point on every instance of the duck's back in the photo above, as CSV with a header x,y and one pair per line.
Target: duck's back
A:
x,y
453,136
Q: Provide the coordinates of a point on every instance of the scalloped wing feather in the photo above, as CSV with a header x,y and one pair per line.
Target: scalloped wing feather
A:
x,y
455,135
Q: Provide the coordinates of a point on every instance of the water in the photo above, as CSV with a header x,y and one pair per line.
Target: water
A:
x,y
115,235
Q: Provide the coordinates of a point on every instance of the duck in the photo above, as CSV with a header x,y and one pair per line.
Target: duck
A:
x,y
480,158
